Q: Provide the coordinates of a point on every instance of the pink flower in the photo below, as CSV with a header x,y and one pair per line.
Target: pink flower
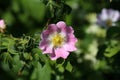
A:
x,y
2,25
58,40
108,17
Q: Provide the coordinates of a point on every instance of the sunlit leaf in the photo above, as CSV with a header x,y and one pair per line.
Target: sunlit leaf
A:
x,y
36,73
69,67
38,54
41,73
46,71
27,56
111,51
17,64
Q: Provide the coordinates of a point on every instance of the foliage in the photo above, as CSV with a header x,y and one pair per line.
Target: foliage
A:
x,y
98,53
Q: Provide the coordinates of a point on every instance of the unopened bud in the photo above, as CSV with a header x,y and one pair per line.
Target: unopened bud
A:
x,y
2,26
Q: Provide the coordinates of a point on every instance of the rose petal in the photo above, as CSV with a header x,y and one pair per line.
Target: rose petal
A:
x,y
68,44
61,25
43,44
52,28
59,52
48,49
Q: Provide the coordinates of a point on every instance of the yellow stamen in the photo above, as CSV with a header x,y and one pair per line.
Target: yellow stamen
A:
x,y
57,40
109,22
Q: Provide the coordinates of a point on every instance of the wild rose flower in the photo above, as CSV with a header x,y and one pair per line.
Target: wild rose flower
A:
x,y
58,40
2,25
108,17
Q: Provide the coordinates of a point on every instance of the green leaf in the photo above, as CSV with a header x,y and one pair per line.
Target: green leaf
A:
x,y
11,48
41,73
111,51
36,72
60,62
61,68
69,67
38,55
12,51
46,71
26,56
17,64
7,58
50,10
10,45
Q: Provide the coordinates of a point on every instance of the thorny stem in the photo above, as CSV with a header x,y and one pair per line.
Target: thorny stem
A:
x,y
47,23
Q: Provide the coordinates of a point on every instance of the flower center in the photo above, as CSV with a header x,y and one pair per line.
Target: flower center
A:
x,y
109,22
57,40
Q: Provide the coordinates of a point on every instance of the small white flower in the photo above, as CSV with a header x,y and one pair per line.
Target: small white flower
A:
x,y
108,17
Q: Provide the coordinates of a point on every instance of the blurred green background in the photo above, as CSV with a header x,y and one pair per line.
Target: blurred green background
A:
x,y
27,16
89,62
